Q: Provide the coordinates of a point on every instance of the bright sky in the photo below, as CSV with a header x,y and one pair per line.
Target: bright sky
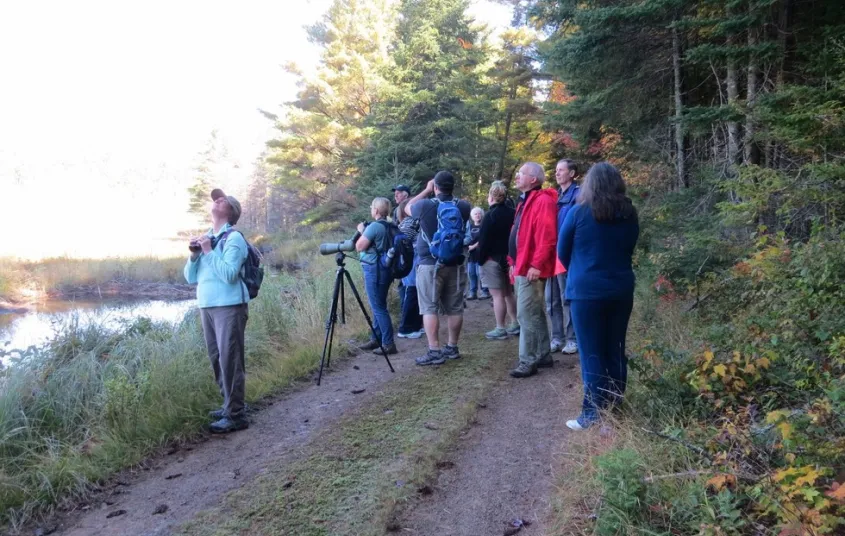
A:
x,y
105,104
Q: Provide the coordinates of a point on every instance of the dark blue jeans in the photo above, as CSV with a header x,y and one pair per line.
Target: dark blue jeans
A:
x,y
377,284
411,318
600,327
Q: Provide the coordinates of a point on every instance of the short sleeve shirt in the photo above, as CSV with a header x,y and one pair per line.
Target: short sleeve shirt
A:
x,y
377,235
426,212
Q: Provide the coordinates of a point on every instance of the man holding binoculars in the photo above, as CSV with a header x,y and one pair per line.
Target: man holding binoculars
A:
x,y
222,297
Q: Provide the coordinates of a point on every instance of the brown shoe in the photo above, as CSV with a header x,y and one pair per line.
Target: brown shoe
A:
x,y
369,345
390,349
524,370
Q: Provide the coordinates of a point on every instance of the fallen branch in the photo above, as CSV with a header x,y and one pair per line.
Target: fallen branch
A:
x,y
684,474
694,448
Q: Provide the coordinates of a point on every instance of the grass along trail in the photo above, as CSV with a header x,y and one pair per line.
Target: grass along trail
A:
x,y
458,449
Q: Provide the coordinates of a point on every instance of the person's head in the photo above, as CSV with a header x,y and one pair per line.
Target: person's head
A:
x,y
225,207
379,208
530,175
444,183
401,193
497,194
476,214
401,210
565,172
603,190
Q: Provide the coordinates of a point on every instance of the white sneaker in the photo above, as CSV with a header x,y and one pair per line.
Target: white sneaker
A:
x,y
411,335
570,348
555,346
574,425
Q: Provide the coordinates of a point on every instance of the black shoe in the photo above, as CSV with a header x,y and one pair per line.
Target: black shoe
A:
x,y
218,414
524,370
226,425
546,362
471,297
390,349
369,345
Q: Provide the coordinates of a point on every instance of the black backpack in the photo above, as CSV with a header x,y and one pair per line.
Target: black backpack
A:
x,y
399,257
252,273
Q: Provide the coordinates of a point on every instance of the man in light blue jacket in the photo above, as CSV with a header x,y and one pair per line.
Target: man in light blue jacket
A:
x,y
215,265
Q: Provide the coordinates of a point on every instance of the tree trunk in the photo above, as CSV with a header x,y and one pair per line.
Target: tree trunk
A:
x,y
733,96
680,155
508,120
752,150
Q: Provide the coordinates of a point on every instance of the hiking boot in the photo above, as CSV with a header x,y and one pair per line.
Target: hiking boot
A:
x,y
372,344
513,329
450,352
432,357
471,296
484,295
498,334
228,424
546,362
556,346
218,414
390,349
524,370
570,348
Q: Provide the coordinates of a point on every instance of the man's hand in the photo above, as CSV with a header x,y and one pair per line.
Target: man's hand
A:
x,y
205,244
533,274
472,247
429,188
361,227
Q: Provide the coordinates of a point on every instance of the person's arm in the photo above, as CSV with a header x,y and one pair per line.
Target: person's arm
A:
x,y
468,234
546,234
566,237
369,235
226,264
429,189
191,268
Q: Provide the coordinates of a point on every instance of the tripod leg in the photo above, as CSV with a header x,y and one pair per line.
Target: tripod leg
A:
x,y
369,322
342,304
330,322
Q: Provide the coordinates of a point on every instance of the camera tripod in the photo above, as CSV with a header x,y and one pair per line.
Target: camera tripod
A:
x,y
339,297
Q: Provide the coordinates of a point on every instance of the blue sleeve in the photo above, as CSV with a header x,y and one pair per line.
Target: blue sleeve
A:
x,y
565,238
190,271
226,264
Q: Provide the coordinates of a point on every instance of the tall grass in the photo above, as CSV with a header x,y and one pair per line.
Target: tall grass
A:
x,y
21,280
94,401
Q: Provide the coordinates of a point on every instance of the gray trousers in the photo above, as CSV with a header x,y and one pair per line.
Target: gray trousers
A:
x,y
533,328
558,309
224,329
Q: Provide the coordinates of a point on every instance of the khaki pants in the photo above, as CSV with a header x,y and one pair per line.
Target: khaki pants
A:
x,y
224,329
531,313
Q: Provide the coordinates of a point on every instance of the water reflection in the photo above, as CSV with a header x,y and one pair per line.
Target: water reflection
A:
x,y
36,327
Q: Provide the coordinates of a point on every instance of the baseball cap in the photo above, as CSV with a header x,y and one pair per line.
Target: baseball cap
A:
x,y
401,188
217,193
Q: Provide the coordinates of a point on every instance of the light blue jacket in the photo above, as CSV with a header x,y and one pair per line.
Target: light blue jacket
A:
x,y
217,274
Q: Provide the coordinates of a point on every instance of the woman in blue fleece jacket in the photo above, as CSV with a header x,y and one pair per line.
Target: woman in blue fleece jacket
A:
x,y
596,244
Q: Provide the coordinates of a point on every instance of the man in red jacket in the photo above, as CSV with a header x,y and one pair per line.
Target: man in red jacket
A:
x,y
531,253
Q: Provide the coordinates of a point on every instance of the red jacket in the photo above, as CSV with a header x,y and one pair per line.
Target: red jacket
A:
x,y
537,236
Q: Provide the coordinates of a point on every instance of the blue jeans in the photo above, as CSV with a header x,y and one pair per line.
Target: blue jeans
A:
x,y
474,273
600,326
377,284
412,320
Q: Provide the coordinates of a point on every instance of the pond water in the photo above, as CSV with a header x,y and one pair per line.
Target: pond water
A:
x,y
38,325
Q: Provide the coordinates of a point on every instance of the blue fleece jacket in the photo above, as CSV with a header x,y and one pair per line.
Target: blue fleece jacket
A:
x,y
597,256
565,201
217,274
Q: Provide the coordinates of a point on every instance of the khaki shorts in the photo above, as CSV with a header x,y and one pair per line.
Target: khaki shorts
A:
x,y
441,290
493,276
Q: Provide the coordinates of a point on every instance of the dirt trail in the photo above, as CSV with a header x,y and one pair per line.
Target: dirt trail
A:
x,y
191,481
502,468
